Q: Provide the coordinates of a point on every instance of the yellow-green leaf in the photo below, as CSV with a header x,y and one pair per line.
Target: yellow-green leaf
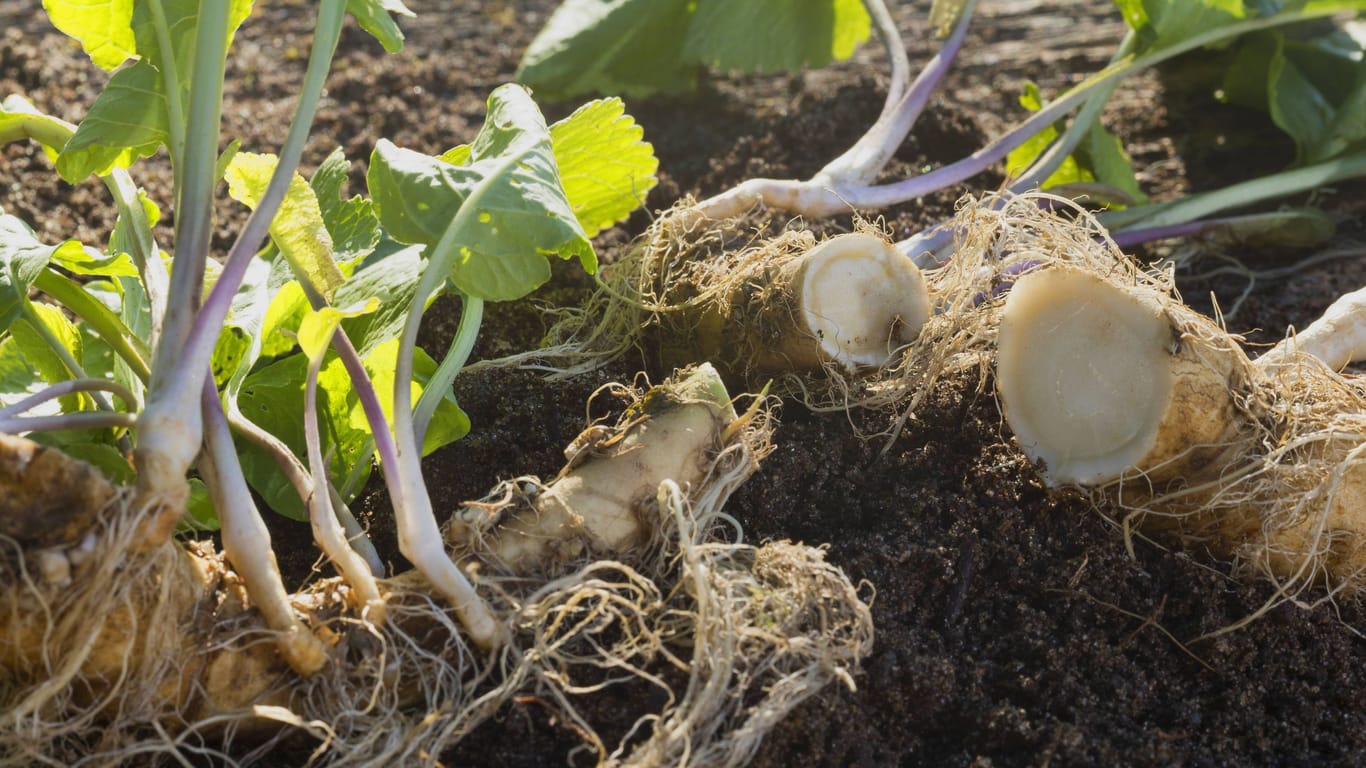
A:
x,y
605,166
298,229
103,28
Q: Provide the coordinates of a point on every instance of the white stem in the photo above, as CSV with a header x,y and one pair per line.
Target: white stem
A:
x,y
420,540
890,38
327,532
1337,338
246,541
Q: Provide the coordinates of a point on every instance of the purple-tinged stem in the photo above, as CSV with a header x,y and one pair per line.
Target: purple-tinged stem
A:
x,y
67,388
865,160
82,420
1139,236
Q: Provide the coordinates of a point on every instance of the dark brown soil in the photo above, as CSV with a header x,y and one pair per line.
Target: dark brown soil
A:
x,y
1012,626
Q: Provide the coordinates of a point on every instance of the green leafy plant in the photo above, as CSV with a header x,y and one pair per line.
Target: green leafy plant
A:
x,y
206,359
636,47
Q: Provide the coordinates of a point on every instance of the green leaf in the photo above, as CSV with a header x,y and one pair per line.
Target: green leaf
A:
x,y
19,379
393,282
351,222
103,28
1163,23
628,47
517,214
43,357
1102,153
374,17
22,258
287,309
1313,88
774,35
83,260
297,229
128,120
1099,161
104,457
605,166
199,510
1020,158
273,397
317,327
1294,228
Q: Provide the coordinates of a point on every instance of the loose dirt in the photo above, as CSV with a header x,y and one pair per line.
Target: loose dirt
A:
x,y
1013,627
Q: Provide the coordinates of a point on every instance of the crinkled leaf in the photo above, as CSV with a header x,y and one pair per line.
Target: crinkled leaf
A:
x,y
629,47
103,28
605,166
351,222
22,258
317,327
506,204
774,35
376,17
297,229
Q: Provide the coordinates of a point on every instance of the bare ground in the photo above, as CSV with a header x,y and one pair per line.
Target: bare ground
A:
x,y
1013,628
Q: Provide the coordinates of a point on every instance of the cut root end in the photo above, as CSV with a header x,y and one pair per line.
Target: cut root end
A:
x,y
1099,380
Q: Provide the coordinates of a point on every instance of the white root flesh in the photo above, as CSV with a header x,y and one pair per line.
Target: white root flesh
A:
x,y
860,298
1097,380
790,306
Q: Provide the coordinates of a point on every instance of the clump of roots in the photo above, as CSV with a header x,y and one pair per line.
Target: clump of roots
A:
x,y
156,657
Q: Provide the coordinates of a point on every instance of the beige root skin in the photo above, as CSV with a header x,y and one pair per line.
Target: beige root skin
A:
x,y
603,501
1337,338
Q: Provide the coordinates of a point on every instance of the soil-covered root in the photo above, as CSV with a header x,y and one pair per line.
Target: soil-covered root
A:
x,y
148,657
1109,381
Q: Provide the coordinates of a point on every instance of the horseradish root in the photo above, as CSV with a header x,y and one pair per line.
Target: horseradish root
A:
x,y
1109,381
139,654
